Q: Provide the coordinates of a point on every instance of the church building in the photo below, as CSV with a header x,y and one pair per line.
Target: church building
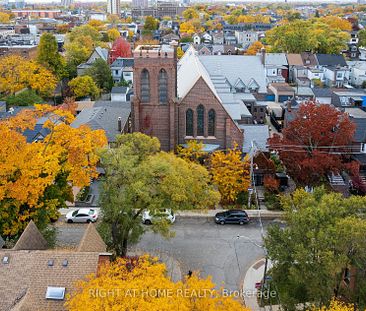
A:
x,y
196,98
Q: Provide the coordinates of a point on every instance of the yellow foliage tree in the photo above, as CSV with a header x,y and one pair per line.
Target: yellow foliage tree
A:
x,y
230,173
180,52
18,73
254,48
97,24
336,22
192,152
336,305
4,18
186,27
142,284
28,169
113,34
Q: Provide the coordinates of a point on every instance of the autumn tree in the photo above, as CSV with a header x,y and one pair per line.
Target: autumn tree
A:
x,y
146,275
18,73
180,52
84,86
230,173
79,44
48,56
4,18
190,13
311,144
193,151
113,34
120,48
101,74
323,237
307,35
254,48
96,23
140,178
150,23
36,177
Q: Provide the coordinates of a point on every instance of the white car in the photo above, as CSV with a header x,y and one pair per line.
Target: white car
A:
x,y
148,219
82,215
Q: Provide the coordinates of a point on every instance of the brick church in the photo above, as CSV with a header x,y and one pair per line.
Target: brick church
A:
x,y
177,101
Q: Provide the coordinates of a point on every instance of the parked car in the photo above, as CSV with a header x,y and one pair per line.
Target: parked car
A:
x,y
148,219
232,217
82,215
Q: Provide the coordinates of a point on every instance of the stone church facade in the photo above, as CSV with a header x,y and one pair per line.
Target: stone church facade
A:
x,y
158,111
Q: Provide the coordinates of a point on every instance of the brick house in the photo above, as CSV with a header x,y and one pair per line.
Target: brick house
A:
x,y
179,102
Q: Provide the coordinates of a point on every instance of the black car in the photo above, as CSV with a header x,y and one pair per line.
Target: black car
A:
x,y
232,217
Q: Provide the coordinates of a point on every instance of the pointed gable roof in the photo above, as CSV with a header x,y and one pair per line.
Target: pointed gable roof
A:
x,y
31,239
239,84
91,241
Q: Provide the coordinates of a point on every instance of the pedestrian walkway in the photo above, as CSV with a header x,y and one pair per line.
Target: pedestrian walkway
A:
x,y
253,276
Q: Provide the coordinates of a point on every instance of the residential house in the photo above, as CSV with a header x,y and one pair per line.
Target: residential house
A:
x,y
111,116
218,38
281,91
348,98
276,67
120,94
169,38
122,70
335,69
323,95
257,134
98,53
298,73
34,277
246,38
229,38
357,73
203,49
206,38
196,39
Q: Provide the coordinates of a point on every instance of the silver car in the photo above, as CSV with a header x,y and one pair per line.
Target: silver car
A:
x,y
82,215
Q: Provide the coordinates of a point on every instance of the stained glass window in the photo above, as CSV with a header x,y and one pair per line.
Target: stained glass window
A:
x,y
145,86
211,122
189,122
163,86
200,120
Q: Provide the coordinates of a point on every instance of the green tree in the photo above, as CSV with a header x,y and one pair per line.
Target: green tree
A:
x,y
25,98
362,38
84,86
140,178
324,235
101,74
48,56
150,23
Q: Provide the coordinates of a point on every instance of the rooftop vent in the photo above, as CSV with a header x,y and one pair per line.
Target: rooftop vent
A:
x,y
5,260
50,263
65,263
55,293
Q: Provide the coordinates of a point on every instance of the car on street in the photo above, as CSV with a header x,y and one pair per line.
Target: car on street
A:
x,y
232,217
82,215
148,218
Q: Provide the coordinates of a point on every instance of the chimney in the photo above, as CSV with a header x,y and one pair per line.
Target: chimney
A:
x,y
263,56
119,124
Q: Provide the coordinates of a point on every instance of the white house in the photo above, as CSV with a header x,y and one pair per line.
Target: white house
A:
x,y
357,73
246,38
98,53
122,69
196,39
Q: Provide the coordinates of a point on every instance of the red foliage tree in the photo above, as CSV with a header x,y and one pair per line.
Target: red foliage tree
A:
x,y
311,145
120,48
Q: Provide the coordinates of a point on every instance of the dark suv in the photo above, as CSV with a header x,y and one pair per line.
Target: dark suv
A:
x,y
232,217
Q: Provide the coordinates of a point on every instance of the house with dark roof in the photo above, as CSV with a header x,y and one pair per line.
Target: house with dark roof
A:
x,y
335,69
122,70
36,278
98,53
111,116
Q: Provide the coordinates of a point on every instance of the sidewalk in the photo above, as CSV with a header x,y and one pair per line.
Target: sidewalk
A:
x,y
255,275
265,214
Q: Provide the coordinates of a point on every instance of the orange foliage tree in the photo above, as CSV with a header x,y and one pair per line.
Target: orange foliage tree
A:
x,y
142,284
254,48
230,173
36,178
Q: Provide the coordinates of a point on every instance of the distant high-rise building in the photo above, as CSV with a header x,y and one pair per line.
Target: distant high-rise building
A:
x,y
66,3
140,3
114,7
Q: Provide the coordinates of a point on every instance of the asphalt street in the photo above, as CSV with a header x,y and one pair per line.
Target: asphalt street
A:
x,y
199,245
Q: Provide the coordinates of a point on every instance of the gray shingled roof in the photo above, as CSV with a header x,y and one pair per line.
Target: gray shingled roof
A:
x,y
322,92
123,62
257,133
331,60
275,59
104,115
